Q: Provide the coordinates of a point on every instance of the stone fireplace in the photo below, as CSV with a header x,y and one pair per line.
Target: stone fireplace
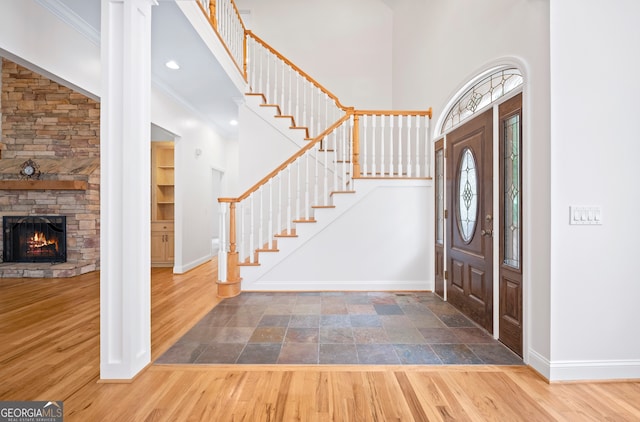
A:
x,y
59,130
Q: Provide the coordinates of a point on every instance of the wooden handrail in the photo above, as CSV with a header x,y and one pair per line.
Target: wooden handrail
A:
x,y
428,112
289,160
297,69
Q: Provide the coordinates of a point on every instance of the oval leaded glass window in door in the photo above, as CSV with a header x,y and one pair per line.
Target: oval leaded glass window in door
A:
x,y
467,195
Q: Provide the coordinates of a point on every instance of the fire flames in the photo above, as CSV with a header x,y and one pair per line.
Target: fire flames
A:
x,y
39,243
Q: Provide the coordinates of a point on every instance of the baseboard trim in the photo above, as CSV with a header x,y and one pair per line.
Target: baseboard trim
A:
x,y
595,370
180,269
539,363
301,286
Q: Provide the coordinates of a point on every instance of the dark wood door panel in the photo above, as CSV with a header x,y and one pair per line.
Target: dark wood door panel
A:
x,y
478,284
470,204
511,264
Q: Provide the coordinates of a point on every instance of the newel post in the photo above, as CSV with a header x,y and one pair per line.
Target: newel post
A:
x,y
356,146
231,286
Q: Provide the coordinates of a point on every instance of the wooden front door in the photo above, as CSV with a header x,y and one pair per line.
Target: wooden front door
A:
x,y
470,219
510,272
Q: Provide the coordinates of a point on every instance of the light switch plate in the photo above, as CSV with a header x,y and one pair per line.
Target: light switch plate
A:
x,y
581,215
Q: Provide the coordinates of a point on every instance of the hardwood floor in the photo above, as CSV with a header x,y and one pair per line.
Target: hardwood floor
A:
x,y
50,351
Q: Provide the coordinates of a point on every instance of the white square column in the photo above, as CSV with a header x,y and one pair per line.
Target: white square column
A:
x,y
125,186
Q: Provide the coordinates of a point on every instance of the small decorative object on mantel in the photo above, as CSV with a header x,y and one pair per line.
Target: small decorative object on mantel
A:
x,y
30,170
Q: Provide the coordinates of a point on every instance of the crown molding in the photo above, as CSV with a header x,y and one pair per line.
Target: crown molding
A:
x,y
71,18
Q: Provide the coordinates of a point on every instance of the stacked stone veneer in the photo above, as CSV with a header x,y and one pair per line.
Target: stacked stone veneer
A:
x,y
44,120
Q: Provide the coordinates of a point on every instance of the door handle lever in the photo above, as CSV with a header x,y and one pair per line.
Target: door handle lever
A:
x,y
487,232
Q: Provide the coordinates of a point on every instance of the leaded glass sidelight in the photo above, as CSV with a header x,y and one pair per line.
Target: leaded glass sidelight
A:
x,y
439,170
467,195
512,194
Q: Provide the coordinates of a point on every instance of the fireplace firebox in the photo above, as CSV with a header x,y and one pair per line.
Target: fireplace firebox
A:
x,y
34,239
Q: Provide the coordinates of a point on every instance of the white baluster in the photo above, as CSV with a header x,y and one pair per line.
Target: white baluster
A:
x,y
391,141
307,188
312,119
400,159
316,187
242,243
303,100
325,167
297,97
252,227
260,70
373,145
261,218
279,221
382,144
409,164
282,103
270,221
327,122
417,153
336,164
347,146
289,72
427,144
268,79
298,195
222,250
289,219
364,140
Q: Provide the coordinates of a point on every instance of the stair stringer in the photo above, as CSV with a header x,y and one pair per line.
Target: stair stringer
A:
x,y
254,277
271,114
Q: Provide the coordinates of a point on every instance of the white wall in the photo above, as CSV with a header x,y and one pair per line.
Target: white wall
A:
x,y
594,101
438,47
384,241
262,147
344,45
33,35
196,209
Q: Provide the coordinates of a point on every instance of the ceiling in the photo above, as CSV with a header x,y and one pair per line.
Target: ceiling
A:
x,y
201,84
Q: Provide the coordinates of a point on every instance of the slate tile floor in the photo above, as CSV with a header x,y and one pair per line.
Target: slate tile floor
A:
x,y
372,328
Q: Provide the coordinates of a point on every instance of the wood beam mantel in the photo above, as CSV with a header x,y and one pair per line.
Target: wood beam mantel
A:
x,y
43,185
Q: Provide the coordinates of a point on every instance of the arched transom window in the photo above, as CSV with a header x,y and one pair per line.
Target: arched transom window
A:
x,y
487,90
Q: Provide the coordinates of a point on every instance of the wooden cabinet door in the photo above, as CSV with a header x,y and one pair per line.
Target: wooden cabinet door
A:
x,y
157,247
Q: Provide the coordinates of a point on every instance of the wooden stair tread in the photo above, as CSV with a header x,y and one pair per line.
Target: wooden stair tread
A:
x,y
248,264
267,250
304,220
285,235
323,206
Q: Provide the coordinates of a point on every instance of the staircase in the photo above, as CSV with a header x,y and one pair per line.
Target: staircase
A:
x,y
346,157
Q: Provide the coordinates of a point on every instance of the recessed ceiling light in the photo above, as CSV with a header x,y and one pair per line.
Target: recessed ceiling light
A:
x,y
233,123
171,64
